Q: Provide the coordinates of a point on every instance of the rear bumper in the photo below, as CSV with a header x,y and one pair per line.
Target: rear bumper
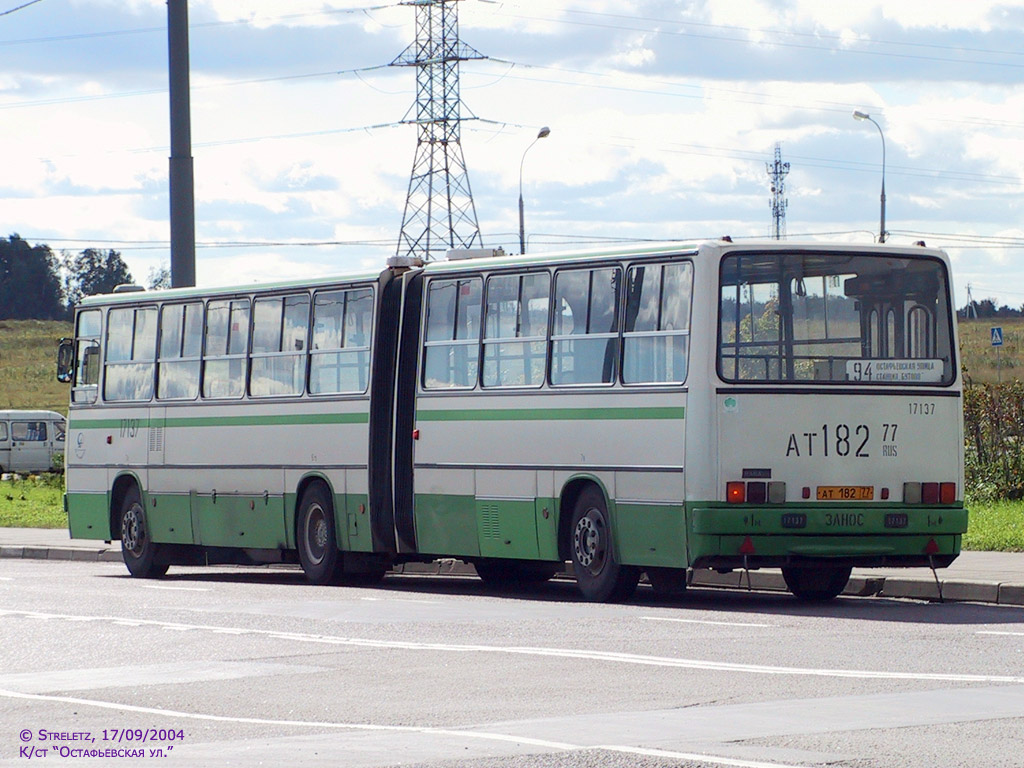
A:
x,y
798,535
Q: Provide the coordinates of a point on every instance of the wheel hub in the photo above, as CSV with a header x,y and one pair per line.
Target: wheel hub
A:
x,y
317,534
588,543
132,529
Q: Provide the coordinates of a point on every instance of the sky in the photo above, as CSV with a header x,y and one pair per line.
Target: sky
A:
x,y
663,115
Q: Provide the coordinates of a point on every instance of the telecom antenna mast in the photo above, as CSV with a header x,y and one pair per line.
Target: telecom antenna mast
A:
x,y
439,211
777,172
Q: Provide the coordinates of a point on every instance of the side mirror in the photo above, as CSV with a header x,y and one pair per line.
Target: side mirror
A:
x,y
66,361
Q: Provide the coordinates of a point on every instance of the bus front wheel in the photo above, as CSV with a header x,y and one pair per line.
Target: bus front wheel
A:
x,y
137,548
816,583
598,575
318,548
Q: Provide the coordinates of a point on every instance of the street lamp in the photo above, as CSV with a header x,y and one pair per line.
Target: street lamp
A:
x,y
858,115
543,133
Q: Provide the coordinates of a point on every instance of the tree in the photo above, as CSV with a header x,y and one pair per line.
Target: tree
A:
x,y
29,282
159,278
93,271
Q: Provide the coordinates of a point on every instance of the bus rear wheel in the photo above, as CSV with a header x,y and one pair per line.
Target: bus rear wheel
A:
x,y
816,584
598,575
137,548
318,548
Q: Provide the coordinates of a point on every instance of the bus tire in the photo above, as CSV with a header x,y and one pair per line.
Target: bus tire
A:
x,y
668,583
816,584
137,548
319,555
598,575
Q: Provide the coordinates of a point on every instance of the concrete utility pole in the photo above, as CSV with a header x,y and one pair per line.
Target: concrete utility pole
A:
x,y
183,216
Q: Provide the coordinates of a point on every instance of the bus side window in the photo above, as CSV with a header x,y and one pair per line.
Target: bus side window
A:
x,y
657,330
451,352
340,352
3,431
920,338
85,382
515,329
227,341
279,327
131,352
181,345
584,340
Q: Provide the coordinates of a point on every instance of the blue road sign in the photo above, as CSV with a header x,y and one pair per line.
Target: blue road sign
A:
x,y
997,336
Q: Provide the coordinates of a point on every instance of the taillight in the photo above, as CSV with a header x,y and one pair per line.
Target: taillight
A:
x,y
947,493
929,493
755,492
736,493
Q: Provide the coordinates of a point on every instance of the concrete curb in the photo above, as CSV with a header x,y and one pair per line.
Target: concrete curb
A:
x,y
953,590
62,553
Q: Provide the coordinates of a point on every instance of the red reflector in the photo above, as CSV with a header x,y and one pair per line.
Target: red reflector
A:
x,y
806,492
885,494
947,493
931,548
735,493
747,547
929,493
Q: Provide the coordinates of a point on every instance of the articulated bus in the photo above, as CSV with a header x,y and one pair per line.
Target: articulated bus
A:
x,y
654,410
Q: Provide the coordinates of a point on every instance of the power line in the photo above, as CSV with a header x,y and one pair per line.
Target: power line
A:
x,y
748,41
771,31
192,26
23,5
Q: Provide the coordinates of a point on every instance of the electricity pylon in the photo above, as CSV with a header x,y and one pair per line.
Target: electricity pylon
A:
x,y
777,172
439,211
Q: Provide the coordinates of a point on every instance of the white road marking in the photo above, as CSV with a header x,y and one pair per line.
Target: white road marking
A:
x,y
994,632
696,756
700,621
555,653
175,589
397,600
427,730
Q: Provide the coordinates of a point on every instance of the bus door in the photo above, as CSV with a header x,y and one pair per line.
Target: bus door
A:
x,y
30,446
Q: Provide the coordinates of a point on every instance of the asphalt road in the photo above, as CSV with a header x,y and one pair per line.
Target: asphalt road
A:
x,y
246,667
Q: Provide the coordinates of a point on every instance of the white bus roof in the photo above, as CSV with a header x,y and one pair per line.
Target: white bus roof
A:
x,y
610,253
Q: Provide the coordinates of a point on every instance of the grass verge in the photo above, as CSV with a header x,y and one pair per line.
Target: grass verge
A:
x,y
33,502
995,526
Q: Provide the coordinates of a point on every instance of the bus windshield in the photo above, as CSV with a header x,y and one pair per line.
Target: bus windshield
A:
x,y
834,317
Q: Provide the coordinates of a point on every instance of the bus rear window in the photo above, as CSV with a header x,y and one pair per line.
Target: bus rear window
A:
x,y
834,318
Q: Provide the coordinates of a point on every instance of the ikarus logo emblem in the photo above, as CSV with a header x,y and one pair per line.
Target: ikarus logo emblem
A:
x,y
730,405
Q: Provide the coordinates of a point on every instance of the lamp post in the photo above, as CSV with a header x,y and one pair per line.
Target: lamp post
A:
x,y
858,115
543,133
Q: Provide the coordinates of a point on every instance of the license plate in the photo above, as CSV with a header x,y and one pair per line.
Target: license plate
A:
x,y
846,492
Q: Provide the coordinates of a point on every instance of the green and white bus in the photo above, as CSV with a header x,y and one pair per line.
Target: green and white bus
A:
x,y
647,410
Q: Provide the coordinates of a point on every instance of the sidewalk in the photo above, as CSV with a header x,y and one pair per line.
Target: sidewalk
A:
x,y
982,577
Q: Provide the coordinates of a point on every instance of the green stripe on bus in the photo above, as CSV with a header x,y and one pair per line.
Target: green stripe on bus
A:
x,y
552,414
297,419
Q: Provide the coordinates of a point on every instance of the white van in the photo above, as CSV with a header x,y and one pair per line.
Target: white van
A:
x,y
29,440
